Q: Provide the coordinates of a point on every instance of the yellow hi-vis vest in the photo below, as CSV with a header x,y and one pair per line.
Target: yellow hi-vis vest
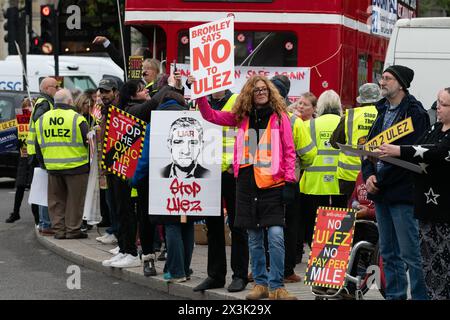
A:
x,y
31,137
59,136
358,122
305,149
229,136
151,87
320,178
261,160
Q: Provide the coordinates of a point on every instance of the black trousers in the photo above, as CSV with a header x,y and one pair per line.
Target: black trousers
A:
x,y
18,197
146,229
217,263
309,205
126,213
104,211
291,233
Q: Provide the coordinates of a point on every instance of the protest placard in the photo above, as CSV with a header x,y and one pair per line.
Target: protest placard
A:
x,y
135,67
185,164
123,143
299,77
395,132
8,135
23,121
331,247
212,57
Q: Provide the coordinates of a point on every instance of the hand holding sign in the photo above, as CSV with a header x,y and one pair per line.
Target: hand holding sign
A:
x,y
389,150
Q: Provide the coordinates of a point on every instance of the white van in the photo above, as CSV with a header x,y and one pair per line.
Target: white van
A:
x,y
423,45
79,72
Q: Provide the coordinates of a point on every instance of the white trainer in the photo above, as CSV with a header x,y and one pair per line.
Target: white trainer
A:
x,y
114,251
117,257
99,239
129,261
109,239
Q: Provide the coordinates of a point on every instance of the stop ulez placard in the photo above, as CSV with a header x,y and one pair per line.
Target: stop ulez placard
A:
x,y
124,139
331,247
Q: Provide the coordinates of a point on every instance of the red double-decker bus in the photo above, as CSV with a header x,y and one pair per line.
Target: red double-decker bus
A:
x,y
330,38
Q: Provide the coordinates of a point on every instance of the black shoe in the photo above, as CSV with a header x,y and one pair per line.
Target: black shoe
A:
x,y
149,268
237,285
13,217
80,235
59,236
162,256
208,283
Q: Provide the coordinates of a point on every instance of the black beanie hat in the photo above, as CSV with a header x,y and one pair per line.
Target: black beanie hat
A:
x,y
282,83
404,75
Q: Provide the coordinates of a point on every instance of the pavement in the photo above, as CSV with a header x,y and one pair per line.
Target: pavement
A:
x,y
90,254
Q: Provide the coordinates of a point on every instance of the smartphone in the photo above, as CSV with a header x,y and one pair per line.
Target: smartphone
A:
x,y
174,66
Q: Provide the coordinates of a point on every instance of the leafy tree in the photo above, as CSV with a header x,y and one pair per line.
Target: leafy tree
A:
x,y
426,6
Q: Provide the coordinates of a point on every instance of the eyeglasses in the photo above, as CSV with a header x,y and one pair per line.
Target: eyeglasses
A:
x,y
260,90
56,87
387,79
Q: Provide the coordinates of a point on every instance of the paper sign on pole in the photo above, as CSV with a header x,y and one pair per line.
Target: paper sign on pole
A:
x,y
212,57
123,143
397,131
331,247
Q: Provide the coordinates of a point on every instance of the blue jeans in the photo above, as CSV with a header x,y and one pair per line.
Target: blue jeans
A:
x,y
180,245
274,278
113,215
399,247
44,219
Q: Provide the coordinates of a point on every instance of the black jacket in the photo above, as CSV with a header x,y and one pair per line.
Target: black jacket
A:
x,y
199,172
432,188
396,183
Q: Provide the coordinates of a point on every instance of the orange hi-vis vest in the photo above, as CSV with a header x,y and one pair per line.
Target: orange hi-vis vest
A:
x,y
262,161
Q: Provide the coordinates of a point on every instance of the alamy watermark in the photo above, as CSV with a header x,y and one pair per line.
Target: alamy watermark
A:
x,y
74,280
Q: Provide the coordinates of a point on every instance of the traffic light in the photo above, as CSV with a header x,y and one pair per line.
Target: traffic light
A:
x,y
48,22
11,27
36,44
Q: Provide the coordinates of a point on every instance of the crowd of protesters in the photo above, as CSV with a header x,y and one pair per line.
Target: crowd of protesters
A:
x,y
271,189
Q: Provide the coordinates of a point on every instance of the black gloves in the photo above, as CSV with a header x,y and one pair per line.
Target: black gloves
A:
x,y
289,191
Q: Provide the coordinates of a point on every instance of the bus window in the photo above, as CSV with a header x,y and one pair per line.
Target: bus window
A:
x,y
275,48
272,48
363,66
142,43
377,71
183,47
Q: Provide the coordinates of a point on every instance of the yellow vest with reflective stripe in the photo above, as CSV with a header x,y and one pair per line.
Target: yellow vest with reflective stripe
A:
x,y
31,138
229,135
151,90
59,136
320,178
358,122
305,149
